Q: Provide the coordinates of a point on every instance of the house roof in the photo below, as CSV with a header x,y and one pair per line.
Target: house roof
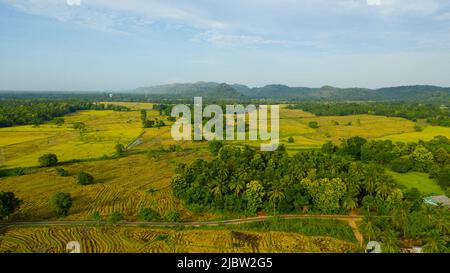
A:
x,y
438,199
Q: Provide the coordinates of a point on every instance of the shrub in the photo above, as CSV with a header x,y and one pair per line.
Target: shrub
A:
x,y
85,178
95,216
120,149
291,140
401,165
48,160
61,172
147,214
115,217
172,216
313,124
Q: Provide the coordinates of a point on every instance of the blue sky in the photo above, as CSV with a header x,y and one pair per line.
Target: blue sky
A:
x,y
116,45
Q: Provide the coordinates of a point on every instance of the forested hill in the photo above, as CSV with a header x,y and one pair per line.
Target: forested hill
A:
x,y
417,93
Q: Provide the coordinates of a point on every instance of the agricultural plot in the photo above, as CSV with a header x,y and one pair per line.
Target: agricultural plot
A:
x,y
418,180
21,146
146,240
428,133
125,185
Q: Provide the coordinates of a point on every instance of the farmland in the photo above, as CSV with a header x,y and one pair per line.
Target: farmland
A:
x,y
135,180
144,240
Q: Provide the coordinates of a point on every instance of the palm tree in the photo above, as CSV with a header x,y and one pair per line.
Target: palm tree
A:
x,y
275,196
350,202
389,242
384,189
237,186
369,227
441,220
400,217
435,242
218,188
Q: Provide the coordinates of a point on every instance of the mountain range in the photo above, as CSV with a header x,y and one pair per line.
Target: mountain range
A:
x,y
213,90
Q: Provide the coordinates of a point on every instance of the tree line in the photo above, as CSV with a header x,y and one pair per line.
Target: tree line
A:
x,y
28,111
434,114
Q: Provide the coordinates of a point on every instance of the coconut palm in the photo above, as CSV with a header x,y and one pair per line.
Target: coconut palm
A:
x,y
275,196
369,227
389,242
349,202
434,242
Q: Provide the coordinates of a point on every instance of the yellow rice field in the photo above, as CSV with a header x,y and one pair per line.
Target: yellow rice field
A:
x,y
146,240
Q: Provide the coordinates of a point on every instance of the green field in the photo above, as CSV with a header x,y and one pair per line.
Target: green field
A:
x,y
418,180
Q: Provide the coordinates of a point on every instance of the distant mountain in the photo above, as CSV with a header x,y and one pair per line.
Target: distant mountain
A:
x,y
210,90
213,90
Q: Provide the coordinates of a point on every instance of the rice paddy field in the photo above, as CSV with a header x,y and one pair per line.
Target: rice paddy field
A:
x,y
134,181
21,146
108,239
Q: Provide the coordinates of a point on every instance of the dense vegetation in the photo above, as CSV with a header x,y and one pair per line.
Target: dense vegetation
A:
x,y
434,114
432,156
27,111
247,180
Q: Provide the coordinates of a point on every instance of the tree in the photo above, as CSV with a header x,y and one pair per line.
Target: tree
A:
x,y
59,121
144,117
434,242
8,204
313,124
148,214
172,216
96,216
350,202
61,202
389,242
422,158
401,165
120,149
291,140
48,160
369,227
115,217
61,171
254,194
85,178
215,146
352,146
276,196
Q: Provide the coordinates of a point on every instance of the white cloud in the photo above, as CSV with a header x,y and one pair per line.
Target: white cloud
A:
x,y
73,2
374,2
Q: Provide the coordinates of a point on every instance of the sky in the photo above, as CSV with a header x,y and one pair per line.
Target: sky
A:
x,y
121,45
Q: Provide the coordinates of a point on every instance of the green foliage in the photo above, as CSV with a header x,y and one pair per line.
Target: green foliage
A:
x,y
325,193
401,165
48,160
352,147
215,146
313,124
85,178
172,216
61,202
120,149
291,140
148,214
115,217
61,172
95,216
58,121
434,114
8,204
254,194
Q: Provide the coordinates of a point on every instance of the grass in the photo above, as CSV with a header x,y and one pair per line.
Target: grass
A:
x,y
110,239
418,180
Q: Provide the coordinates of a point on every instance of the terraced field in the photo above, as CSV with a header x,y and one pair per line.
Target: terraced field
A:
x,y
145,240
21,146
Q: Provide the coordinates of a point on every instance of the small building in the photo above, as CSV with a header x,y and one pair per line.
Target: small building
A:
x,y
437,200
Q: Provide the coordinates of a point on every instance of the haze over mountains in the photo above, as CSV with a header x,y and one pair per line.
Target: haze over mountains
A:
x,y
213,90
